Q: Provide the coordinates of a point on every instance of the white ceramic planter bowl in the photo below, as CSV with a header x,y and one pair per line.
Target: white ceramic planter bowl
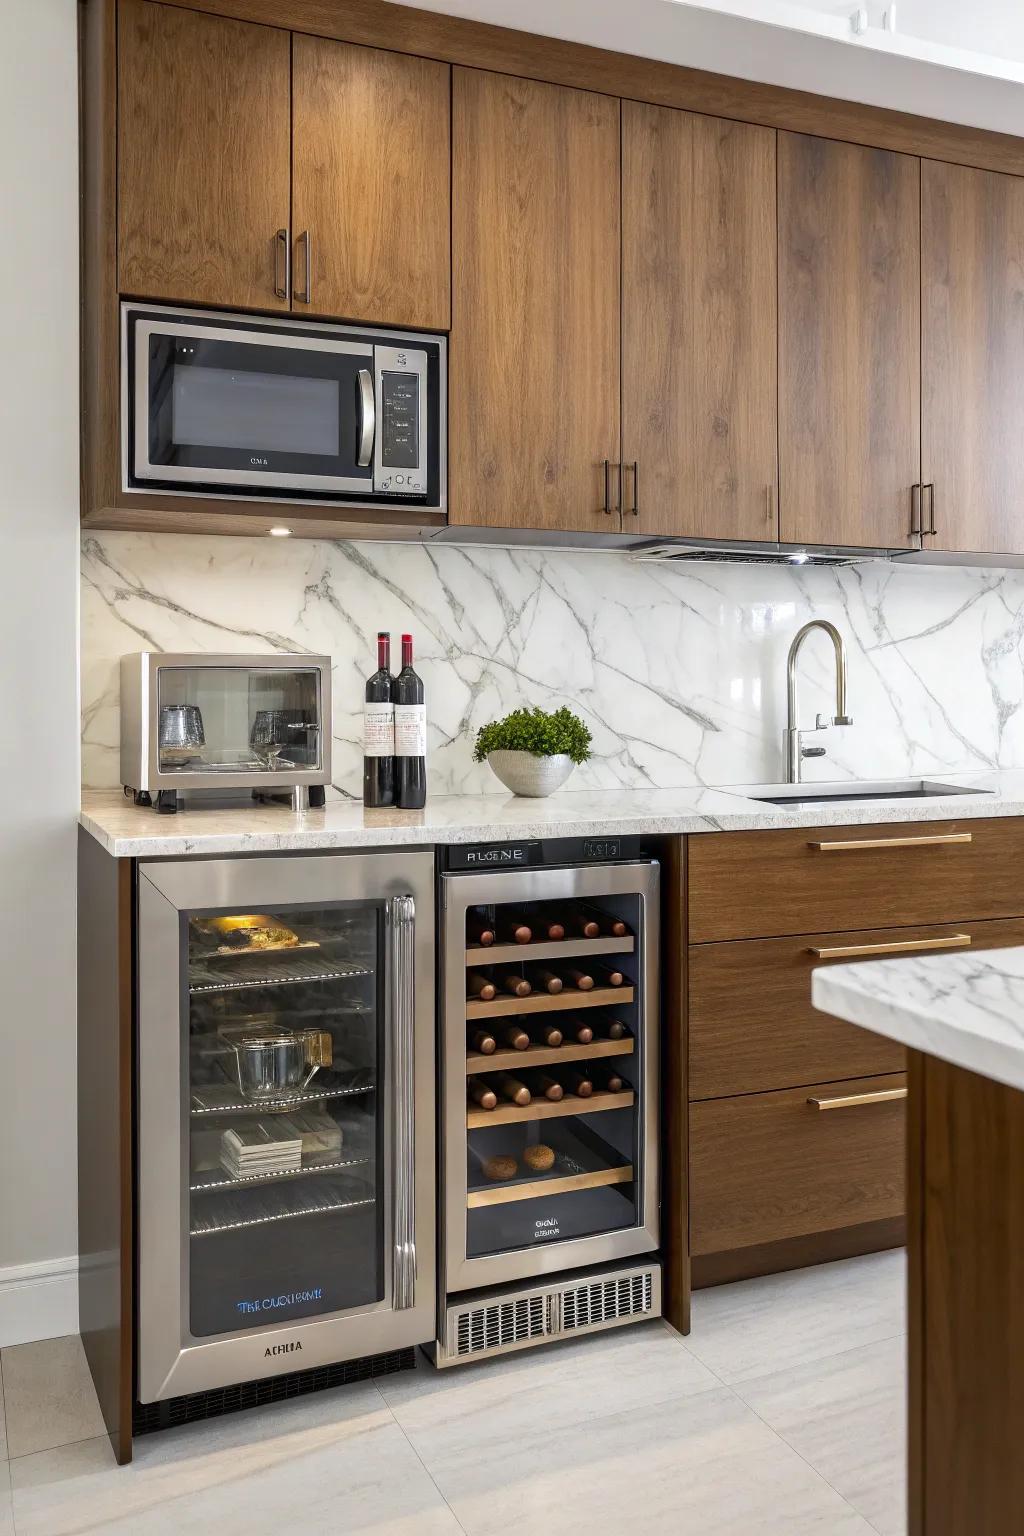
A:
x,y
530,776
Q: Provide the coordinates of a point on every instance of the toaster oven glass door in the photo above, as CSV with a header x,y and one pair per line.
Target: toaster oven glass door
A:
x,y
250,407
238,720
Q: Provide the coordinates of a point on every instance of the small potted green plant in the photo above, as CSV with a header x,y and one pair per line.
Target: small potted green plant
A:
x,y
533,752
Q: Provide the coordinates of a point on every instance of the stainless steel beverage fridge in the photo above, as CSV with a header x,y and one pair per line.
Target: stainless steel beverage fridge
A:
x,y
285,1115
550,1058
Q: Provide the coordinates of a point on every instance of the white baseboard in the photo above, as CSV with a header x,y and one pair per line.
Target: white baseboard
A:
x,y
38,1301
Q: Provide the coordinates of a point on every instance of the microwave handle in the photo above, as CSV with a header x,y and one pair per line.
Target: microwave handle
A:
x,y
367,417
401,915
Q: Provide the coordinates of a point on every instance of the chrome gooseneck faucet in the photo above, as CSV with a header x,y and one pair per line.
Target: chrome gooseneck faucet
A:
x,y
794,748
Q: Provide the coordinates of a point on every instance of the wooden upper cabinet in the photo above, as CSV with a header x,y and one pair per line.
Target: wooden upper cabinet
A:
x,y
849,343
204,147
371,189
972,233
534,383
699,325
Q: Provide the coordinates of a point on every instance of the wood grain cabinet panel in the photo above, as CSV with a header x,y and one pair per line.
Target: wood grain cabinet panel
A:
x,y
371,187
752,885
767,1167
204,147
849,343
973,357
751,1024
699,325
534,365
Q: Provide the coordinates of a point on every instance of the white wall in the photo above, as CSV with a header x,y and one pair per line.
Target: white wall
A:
x,y
39,771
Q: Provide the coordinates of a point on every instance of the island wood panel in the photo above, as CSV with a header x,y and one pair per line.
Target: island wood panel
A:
x,y
753,1027
966,1319
699,326
849,343
371,184
973,358
480,45
766,1167
534,364
204,156
675,1159
753,885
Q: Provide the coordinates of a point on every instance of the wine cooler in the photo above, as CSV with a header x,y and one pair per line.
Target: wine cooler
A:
x,y
550,1091
286,1147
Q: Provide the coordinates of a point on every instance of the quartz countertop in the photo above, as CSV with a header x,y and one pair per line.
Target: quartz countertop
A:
x,y
966,1009
127,831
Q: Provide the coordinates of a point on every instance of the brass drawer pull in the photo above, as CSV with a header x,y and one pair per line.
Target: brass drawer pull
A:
x,y
854,844
851,1100
892,947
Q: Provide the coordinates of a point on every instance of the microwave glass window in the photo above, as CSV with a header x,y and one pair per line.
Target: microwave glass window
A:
x,y
400,400
261,412
237,718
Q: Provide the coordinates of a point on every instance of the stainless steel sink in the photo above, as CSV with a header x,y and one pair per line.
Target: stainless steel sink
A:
x,y
856,792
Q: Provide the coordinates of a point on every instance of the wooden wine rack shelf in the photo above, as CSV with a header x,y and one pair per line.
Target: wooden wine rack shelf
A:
x,y
546,949
538,1188
546,1055
546,1109
547,1002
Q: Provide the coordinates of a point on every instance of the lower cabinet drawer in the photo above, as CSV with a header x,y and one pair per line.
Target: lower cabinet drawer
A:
x,y
751,1024
769,1166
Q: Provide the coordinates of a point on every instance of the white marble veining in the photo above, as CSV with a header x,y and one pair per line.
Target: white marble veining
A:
x,y
966,1009
130,832
679,671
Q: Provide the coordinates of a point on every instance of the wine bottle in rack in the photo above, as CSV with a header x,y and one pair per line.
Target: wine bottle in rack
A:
x,y
547,928
608,978
513,1089
379,729
579,1083
515,1036
546,1034
410,735
577,1031
544,980
479,928
480,986
516,985
607,925
606,1078
543,1086
483,1042
583,923
480,1094
611,1029
512,929
583,981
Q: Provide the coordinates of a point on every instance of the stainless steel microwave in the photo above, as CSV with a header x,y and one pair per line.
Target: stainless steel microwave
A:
x,y
235,405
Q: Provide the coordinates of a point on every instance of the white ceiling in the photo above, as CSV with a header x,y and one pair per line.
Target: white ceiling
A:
x,y
946,59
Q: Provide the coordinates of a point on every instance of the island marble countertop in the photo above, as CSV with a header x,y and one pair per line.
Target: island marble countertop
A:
x,y
127,831
965,1009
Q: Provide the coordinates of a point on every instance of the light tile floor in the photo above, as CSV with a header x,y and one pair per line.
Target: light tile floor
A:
x,y
782,1414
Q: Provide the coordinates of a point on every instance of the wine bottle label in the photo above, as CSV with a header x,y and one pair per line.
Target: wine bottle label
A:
x,y
378,730
410,730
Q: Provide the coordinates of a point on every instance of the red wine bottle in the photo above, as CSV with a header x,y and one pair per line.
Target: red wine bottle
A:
x,y
410,735
379,730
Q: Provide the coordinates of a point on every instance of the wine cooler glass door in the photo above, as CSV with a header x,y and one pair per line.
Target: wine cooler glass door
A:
x,y
551,1070
282,1150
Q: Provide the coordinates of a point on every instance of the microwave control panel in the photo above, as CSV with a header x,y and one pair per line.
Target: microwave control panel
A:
x,y
400,461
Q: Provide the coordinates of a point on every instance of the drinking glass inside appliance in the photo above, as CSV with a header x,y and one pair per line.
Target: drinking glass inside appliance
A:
x,y
238,719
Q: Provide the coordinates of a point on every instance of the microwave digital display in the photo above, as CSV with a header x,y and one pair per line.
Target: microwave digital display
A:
x,y
400,428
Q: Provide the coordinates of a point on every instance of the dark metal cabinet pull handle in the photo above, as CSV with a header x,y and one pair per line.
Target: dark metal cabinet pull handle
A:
x,y
915,511
608,487
931,529
282,263
306,242
636,489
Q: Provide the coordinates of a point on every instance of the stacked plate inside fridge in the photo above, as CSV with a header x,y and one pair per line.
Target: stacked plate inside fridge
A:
x,y
260,1148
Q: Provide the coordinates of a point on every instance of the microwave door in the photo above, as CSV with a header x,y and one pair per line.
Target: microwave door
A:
x,y
252,409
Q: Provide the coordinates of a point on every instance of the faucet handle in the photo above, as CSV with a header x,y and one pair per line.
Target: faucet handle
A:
x,y
843,720
822,722
813,752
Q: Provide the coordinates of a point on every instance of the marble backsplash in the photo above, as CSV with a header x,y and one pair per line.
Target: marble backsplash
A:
x,y
678,671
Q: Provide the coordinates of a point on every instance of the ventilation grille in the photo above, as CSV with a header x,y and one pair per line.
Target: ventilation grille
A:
x,y
187,1409
603,1301
763,554
501,1323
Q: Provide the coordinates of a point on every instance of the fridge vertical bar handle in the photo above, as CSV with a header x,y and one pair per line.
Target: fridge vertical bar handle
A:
x,y
401,925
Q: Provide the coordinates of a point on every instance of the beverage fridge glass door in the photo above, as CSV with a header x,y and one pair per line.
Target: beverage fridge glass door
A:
x,y
285,1166
551,1070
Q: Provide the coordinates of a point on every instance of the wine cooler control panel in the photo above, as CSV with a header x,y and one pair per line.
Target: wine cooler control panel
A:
x,y
550,1058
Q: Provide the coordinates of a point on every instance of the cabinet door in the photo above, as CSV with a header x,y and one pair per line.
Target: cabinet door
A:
x,y
535,304
204,144
371,189
699,325
972,259
849,343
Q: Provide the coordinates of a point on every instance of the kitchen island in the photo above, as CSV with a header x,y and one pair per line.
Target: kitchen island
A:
x,y
962,1018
